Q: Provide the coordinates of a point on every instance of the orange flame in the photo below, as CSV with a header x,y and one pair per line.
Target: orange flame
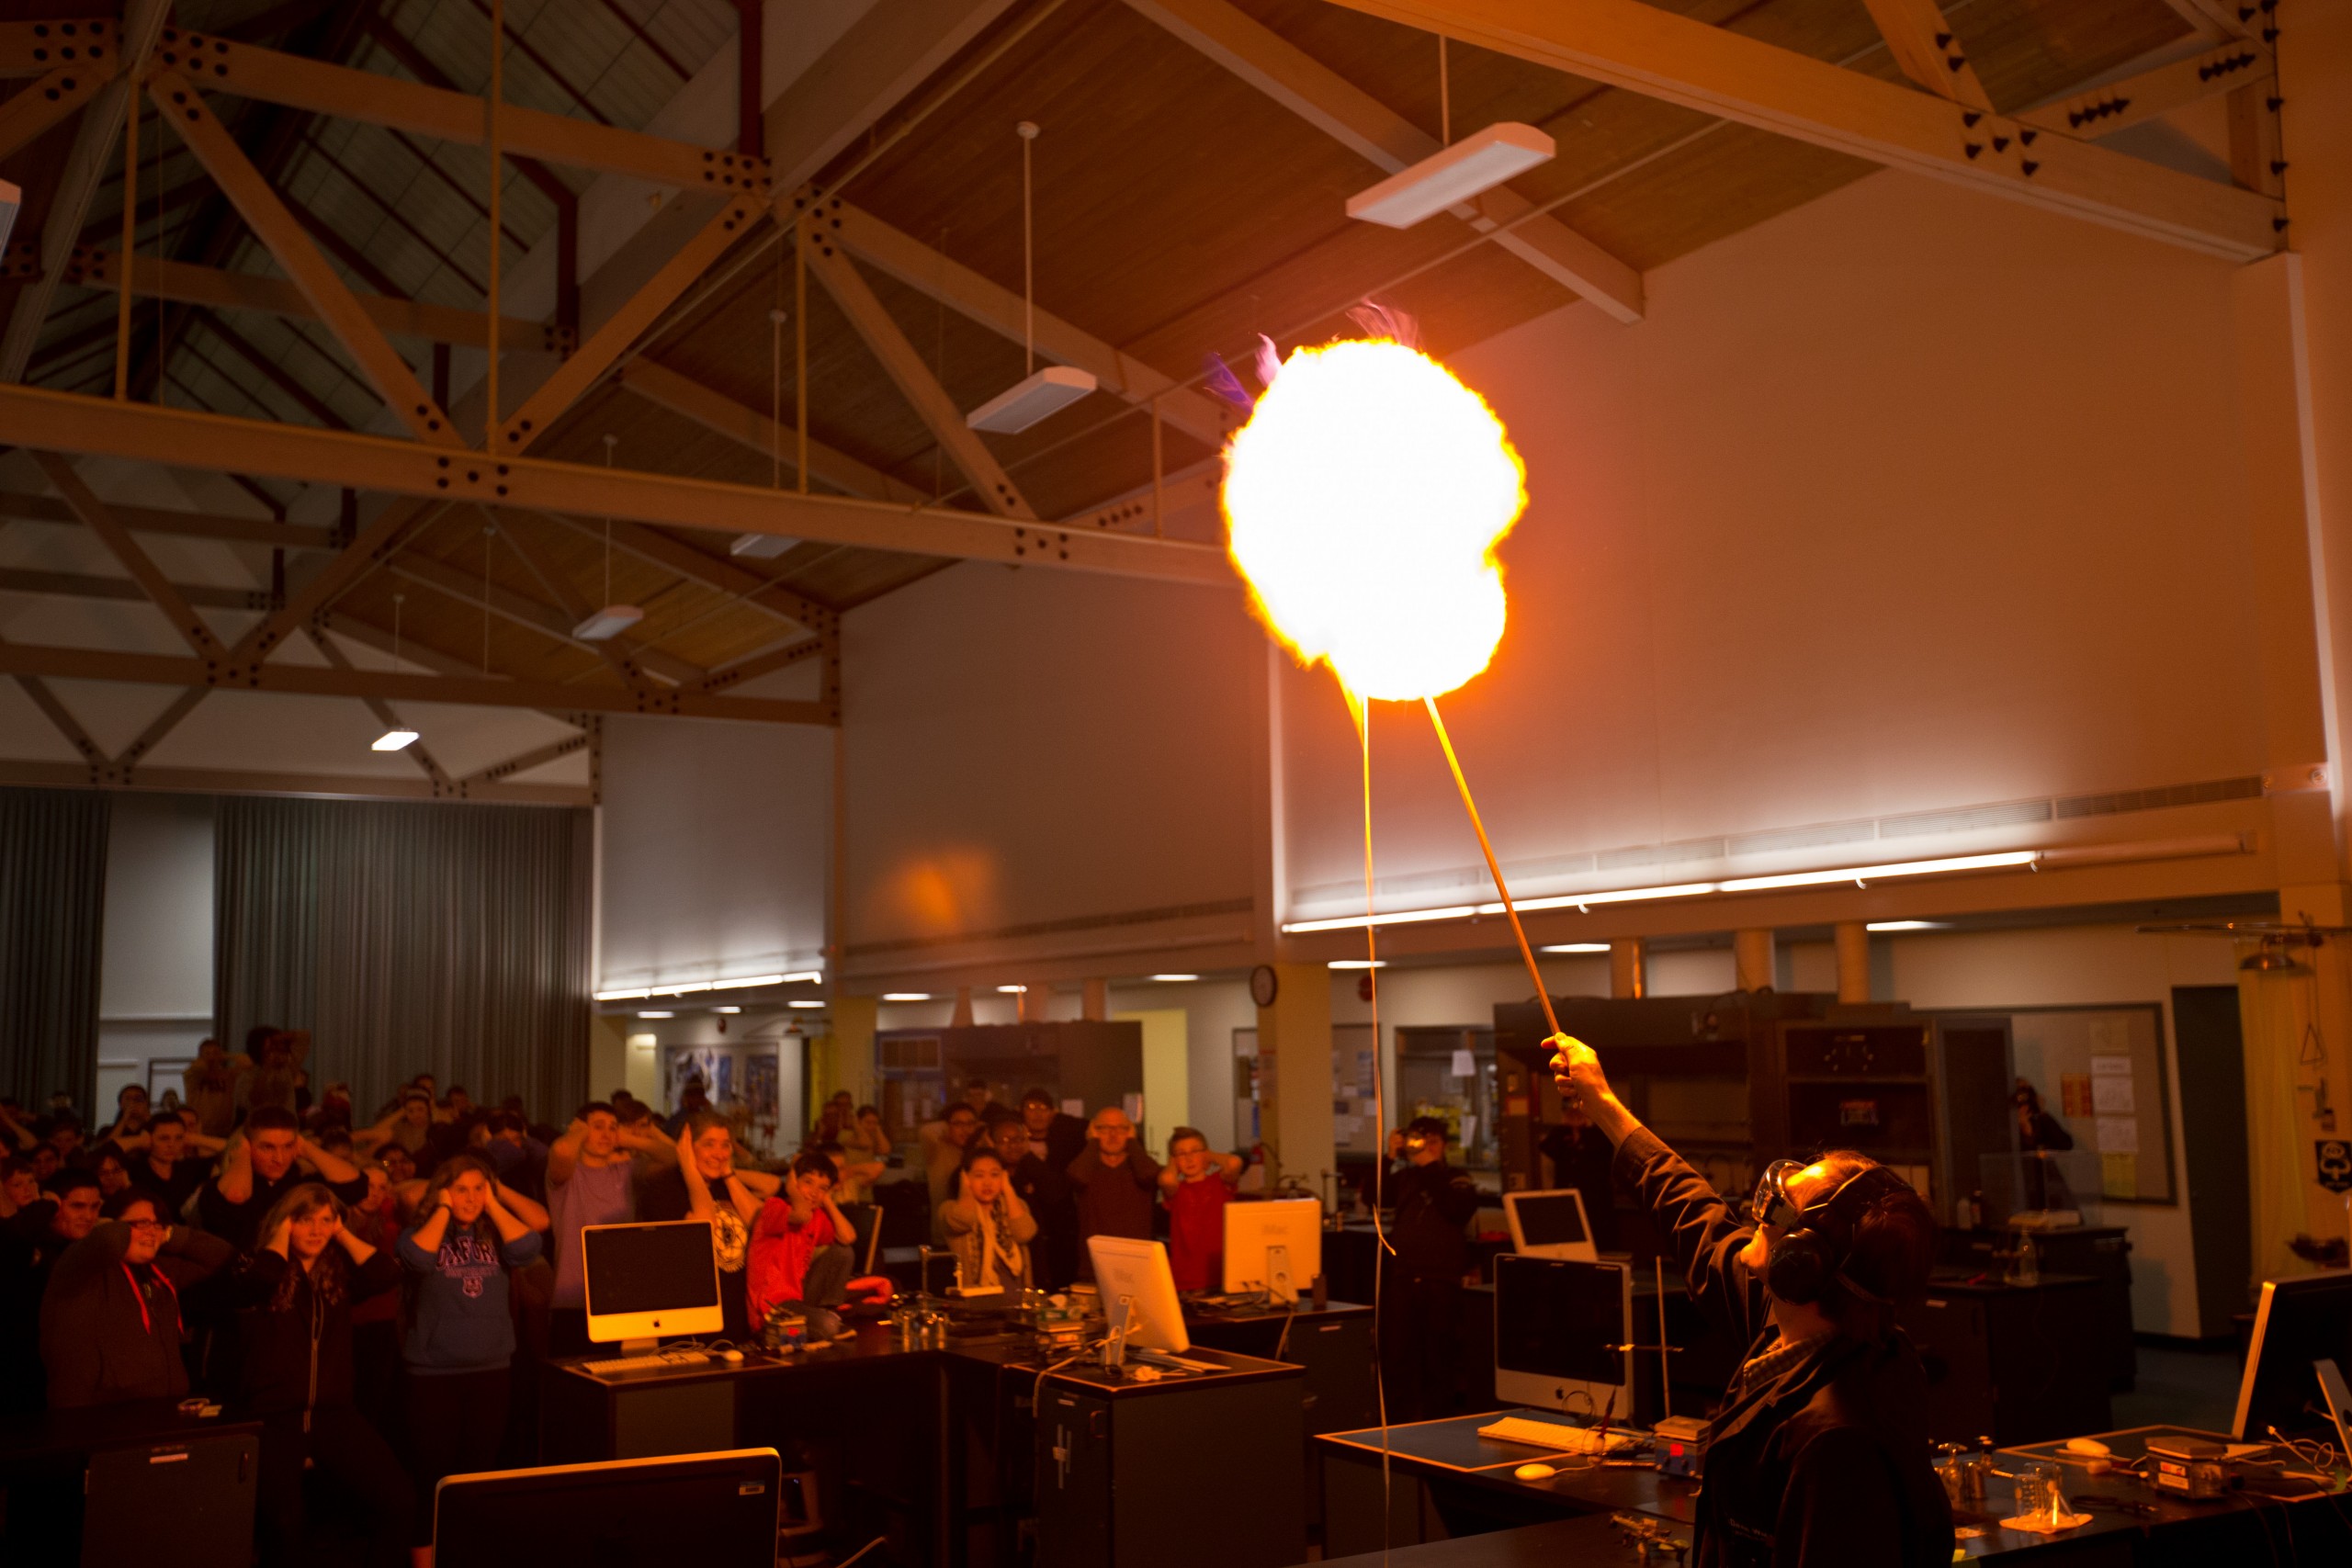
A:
x,y
1363,501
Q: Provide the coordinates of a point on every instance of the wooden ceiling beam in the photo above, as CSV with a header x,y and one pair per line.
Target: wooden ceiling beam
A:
x,y
164,724
371,546
59,717
1644,50
627,659
715,411
2109,108
961,289
1333,104
143,570
45,103
93,426
755,590
782,657
2221,18
184,525
91,160
263,212
1929,51
621,330
537,757
342,92
415,750
903,364
89,585
159,278
464,691
886,54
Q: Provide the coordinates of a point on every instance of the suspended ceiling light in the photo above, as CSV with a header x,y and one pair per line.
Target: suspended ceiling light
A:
x,y
1357,963
1013,991
657,1015
1449,178
1039,392
2272,958
613,619
1575,947
1905,925
806,1004
906,995
762,546
1174,979
400,738
394,741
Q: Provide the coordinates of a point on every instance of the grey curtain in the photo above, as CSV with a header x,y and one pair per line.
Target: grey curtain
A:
x,y
409,938
52,924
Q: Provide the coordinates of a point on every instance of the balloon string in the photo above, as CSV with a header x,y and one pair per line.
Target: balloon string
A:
x,y
1494,870
1362,710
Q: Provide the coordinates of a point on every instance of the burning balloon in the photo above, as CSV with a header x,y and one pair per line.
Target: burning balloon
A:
x,y
1364,499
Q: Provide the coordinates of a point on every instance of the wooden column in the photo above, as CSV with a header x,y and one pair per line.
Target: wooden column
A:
x,y
1853,961
1097,1001
1626,967
962,1017
1752,954
1294,1049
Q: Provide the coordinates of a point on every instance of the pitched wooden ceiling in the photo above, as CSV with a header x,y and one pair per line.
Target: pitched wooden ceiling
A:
x,y
1178,212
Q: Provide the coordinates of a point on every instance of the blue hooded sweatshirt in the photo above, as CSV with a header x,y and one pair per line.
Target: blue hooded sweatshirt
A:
x,y
459,1320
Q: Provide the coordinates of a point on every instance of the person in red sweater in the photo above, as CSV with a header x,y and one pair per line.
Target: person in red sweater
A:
x,y
800,1252
1196,1183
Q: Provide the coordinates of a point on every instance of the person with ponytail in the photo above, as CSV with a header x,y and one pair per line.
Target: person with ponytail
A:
x,y
460,1328
111,1321
295,1295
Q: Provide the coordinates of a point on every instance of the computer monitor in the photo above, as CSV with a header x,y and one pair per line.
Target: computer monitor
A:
x,y
2301,1320
1562,1329
1136,1272
650,1279
622,1511
1275,1246
2339,1403
1550,1225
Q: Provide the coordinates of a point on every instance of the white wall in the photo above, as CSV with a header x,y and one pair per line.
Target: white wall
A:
x,y
1827,536
2088,965
714,849
155,980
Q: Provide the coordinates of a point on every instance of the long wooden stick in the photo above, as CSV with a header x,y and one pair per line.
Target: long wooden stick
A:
x,y
130,237
1487,849
489,134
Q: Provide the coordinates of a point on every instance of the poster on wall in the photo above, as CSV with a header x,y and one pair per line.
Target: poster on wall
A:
x,y
2104,1072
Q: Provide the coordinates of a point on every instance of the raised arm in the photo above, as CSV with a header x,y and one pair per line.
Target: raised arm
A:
x,y
512,1228
563,1155
367,1140
844,1232
533,1215
698,1201
1703,1231
15,1129
420,1248
332,1167
236,1179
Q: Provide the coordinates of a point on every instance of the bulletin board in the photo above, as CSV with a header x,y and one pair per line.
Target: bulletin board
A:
x,y
2102,1072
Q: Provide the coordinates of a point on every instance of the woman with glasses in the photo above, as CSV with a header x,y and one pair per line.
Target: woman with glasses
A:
x,y
1817,1455
111,1327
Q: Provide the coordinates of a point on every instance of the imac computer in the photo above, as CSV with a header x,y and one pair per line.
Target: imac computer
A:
x,y
1550,1225
1136,1273
1562,1330
1275,1246
623,1511
2301,1320
650,1280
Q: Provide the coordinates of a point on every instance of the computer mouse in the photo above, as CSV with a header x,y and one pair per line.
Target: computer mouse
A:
x,y
730,1355
1535,1472
2089,1447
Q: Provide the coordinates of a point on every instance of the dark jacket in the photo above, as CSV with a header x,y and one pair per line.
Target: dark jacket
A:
x,y
1433,1204
1065,1139
299,1356
239,1225
99,1347
1115,1199
1822,1464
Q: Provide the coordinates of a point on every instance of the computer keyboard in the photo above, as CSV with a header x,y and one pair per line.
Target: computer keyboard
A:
x,y
1554,1435
647,1363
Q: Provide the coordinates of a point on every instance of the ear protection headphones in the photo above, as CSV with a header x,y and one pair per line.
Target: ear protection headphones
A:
x,y
1811,1256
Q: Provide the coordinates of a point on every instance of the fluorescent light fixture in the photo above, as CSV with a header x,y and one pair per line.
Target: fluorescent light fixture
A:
x,y
906,995
657,1015
1013,991
762,546
1017,407
803,1002
609,622
1575,947
1857,874
394,741
726,1010
688,987
1357,963
1174,979
1873,872
1905,926
1446,179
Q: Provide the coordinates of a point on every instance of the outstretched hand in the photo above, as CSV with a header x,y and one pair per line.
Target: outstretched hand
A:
x,y
1575,1068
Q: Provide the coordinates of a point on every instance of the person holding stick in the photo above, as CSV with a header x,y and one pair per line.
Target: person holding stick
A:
x,y
1817,1456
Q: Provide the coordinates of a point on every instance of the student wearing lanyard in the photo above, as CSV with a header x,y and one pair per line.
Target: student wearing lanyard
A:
x,y
1817,1457
110,1326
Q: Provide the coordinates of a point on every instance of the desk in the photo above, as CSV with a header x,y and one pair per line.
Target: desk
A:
x,y
1448,1482
1333,1342
131,1470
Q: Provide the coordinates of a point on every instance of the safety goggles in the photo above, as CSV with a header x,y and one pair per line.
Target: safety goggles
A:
x,y
1772,1205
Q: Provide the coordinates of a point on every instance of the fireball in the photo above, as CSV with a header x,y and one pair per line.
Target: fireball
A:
x,y
1363,500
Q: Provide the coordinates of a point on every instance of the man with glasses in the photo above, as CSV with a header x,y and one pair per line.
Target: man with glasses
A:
x,y
1816,1456
111,1321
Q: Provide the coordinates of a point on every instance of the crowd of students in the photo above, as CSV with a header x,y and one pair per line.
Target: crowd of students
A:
x,y
380,1295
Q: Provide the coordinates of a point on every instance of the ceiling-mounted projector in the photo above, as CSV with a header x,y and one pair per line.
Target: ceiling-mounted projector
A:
x,y
1017,407
1446,179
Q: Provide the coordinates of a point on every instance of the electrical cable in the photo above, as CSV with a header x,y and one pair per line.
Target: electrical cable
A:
x,y
1362,709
